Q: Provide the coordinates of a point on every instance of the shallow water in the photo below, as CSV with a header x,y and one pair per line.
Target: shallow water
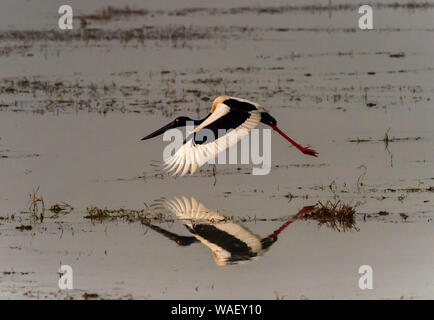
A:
x,y
72,113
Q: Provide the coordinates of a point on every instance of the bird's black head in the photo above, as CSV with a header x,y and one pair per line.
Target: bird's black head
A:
x,y
268,242
267,119
178,122
181,121
185,241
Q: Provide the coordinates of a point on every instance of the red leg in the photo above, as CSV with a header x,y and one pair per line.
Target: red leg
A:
x,y
302,212
305,150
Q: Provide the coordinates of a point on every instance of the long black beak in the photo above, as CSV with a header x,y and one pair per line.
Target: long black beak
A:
x,y
171,125
180,240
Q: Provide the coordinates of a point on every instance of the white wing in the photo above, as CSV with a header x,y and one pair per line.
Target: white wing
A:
x,y
187,211
194,213
192,156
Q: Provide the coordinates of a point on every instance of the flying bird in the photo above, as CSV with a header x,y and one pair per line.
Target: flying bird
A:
x,y
229,242
234,116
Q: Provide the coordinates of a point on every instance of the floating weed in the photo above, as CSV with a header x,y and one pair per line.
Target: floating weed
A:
x,y
112,13
403,216
12,272
117,13
61,208
335,215
144,215
386,139
359,140
24,228
88,296
383,213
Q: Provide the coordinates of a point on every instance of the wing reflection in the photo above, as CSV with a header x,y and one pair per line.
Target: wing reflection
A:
x,y
230,243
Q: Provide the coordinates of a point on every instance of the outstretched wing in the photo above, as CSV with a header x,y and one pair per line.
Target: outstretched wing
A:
x,y
191,211
229,242
231,120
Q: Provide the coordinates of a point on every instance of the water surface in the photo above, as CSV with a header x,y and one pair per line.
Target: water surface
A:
x,y
73,109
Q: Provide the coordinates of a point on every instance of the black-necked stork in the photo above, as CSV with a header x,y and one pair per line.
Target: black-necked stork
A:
x,y
230,243
235,116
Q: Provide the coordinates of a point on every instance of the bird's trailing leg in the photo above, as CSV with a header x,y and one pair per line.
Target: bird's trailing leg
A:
x,y
305,150
305,211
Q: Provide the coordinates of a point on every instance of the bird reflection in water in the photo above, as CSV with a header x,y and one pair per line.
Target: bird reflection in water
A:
x,y
230,243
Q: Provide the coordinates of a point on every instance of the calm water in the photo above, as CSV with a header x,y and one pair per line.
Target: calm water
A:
x,y
72,113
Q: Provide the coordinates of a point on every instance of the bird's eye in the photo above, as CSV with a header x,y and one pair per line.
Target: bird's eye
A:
x,y
177,120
